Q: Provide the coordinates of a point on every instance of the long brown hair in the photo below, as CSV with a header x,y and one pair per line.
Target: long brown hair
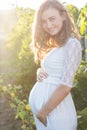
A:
x,y
42,42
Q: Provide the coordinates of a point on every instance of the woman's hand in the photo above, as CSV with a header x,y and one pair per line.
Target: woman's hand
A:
x,y
42,117
41,74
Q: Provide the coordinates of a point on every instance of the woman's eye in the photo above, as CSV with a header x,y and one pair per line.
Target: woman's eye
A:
x,y
52,19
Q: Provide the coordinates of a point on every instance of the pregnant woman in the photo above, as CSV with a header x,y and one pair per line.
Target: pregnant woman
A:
x,y
56,45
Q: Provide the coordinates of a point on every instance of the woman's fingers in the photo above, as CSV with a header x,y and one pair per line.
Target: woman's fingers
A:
x,y
44,74
39,78
42,118
41,74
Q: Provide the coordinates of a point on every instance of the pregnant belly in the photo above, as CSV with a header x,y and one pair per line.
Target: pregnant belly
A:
x,y
39,95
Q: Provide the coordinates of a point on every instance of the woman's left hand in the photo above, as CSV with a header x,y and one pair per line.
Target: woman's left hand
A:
x,y
42,118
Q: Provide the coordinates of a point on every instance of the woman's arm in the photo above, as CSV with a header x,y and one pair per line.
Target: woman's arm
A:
x,y
59,94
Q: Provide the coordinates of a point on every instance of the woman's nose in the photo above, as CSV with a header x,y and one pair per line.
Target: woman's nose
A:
x,y
49,24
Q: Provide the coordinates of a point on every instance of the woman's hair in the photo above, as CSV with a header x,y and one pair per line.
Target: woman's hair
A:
x,y
42,42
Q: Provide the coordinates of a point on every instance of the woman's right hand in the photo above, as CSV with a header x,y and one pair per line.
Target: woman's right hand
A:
x,y
41,74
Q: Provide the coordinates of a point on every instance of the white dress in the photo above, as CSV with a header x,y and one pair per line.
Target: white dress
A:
x,y
60,64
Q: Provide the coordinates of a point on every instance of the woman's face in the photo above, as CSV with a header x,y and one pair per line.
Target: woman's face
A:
x,y
52,21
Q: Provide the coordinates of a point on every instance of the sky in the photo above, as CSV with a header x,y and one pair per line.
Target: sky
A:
x,y
8,4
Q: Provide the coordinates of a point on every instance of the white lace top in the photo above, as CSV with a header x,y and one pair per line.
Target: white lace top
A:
x,y
62,63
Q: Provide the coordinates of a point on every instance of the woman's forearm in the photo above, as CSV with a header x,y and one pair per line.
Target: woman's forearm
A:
x,y
59,94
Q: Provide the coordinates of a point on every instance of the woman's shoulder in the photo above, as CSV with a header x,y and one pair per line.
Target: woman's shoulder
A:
x,y
73,42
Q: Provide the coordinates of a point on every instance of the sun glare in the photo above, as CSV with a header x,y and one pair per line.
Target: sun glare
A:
x,y
8,4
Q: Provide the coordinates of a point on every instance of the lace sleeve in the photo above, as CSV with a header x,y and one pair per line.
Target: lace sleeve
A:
x,y
73,59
